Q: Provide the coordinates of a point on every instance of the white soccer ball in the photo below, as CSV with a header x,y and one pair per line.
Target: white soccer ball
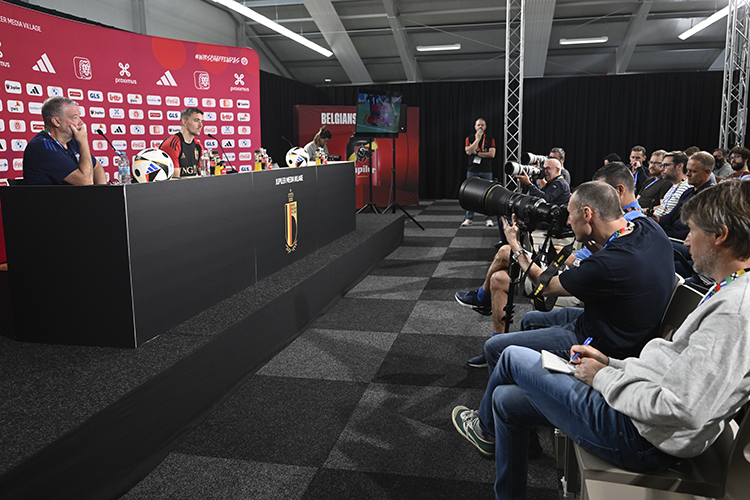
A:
x,y
152,165
297,157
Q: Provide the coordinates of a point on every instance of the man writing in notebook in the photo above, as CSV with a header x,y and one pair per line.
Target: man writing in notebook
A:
x,y
641,413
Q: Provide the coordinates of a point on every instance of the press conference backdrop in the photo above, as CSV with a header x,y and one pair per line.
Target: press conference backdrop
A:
x,y
130,86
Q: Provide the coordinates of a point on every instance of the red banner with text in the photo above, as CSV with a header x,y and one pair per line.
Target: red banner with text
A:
x,y
340,121
132,87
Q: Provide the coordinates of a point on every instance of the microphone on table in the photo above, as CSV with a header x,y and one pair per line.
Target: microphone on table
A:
x,y
287,140
99,131
222,151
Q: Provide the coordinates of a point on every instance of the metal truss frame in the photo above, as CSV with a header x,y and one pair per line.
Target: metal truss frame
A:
x,y
514,46
736,68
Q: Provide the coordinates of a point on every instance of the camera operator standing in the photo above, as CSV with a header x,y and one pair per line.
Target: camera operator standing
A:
x,y
480,149
555,190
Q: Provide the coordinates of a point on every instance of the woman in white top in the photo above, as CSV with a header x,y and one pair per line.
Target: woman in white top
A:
x,y
320,141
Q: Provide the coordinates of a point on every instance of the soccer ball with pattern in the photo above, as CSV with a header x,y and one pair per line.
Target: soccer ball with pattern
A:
x,y
152,165
297,157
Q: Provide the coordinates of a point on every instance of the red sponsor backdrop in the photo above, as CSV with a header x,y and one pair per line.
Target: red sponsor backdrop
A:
x,y
131,86
340,121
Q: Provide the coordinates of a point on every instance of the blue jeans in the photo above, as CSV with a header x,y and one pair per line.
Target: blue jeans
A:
x,y
553,331
483,175
525,394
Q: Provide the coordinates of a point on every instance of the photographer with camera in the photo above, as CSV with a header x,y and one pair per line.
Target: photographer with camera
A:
x,y
555,190
497,280
480,149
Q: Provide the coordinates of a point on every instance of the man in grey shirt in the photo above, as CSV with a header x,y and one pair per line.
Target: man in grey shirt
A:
x,y
642,413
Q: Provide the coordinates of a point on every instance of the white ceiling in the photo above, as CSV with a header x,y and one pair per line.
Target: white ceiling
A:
x,y
374,41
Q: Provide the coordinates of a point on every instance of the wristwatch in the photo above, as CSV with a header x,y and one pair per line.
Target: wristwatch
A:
x,y
518,253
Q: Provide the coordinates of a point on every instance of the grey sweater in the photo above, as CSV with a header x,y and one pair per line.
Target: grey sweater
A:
x,y
679,394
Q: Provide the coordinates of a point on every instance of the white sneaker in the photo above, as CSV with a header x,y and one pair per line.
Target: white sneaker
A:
x,y
467,222
489,223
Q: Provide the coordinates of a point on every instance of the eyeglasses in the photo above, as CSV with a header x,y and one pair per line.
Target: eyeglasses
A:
x,y
666,164
655,163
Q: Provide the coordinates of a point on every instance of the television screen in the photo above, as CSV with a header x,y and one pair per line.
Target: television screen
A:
x,y
378,113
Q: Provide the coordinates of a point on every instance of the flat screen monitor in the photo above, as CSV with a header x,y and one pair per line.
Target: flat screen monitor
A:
x,y
378,113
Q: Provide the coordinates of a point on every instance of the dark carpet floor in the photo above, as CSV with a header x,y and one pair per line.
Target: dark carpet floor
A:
x,y
359,405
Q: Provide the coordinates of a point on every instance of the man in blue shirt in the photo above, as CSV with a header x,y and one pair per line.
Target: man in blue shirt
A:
x,y
60,153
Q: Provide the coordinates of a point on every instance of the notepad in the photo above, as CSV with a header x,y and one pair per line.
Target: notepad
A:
x,y
555,363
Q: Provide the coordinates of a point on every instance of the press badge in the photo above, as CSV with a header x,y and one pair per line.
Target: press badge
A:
x,y
477,159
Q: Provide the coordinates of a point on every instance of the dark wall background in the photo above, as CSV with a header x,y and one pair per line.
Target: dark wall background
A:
x,y
589,117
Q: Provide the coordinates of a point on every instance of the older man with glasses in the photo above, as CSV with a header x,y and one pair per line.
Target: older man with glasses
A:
x,y
656,187
555,190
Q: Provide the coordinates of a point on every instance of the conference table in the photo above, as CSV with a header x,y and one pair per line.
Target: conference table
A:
x,y
117,265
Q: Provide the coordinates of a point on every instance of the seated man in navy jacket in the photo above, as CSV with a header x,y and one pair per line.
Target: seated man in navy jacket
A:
x,y
60,153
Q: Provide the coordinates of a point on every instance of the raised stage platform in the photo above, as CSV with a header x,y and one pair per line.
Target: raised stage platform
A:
x,y
90,422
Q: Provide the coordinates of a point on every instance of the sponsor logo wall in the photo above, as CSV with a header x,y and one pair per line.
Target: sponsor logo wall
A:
x,y
340,120
132,87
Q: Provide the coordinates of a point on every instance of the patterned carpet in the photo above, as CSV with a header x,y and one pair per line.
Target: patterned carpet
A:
x,y
359,405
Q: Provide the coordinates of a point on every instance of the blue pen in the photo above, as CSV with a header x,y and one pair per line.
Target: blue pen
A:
x,y
585,342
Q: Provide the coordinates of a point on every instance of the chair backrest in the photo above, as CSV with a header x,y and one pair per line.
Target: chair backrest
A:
x,y
684,301
737,483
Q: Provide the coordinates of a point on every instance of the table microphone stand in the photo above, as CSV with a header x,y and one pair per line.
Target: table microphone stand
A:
x,y
370,203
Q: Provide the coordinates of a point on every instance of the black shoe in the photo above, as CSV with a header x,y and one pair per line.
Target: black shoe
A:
x,y
469,298
535,449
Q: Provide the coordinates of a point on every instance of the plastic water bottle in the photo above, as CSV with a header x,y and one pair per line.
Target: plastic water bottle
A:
x,y
123,168
205,163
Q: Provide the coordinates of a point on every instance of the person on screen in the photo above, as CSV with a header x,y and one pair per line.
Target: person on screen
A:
x,y
60,153
319,141
183,147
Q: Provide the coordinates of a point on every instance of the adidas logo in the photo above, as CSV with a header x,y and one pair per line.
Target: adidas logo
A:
x,y
44,65
167,80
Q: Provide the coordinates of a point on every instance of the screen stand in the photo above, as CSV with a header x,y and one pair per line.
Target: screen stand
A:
x,y
370,205
394,204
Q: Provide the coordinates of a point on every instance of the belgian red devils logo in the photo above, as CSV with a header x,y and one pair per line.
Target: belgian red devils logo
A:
x,y
291,231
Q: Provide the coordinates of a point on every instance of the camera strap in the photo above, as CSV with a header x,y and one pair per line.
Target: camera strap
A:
x,y
542,303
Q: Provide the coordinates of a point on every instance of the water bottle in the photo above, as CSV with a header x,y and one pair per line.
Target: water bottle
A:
x,y
123,168
205,163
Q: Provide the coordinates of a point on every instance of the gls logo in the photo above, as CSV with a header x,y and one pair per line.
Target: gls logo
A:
x,y
210,143
173,115
96,95
97,112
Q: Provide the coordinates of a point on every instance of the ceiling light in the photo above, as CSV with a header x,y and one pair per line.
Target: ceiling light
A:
x,y
705,23
241,9
582,41
435,48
